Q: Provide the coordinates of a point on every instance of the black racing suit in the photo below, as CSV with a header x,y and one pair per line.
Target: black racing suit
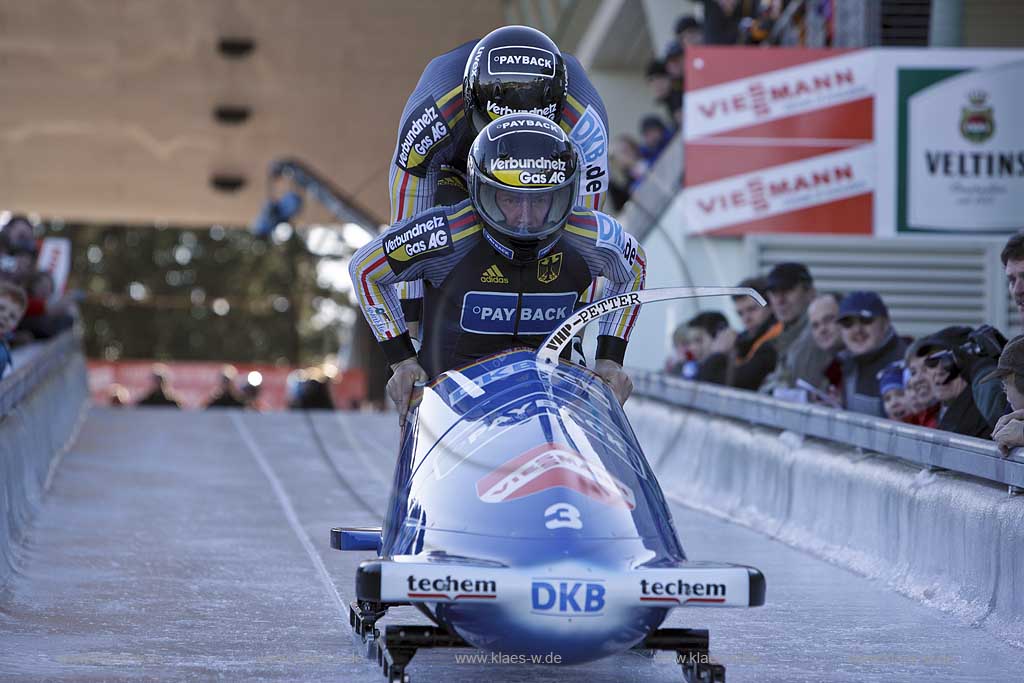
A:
x,y
429,162
479,301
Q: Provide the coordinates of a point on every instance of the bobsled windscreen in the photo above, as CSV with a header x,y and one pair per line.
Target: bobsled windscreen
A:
x,y
512,451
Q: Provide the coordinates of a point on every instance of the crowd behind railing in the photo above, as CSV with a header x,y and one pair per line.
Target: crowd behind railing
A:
x,y
844,352
30,310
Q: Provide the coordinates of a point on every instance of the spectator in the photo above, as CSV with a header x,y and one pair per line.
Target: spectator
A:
x,y
119,396
225,395
43,319
312,392
689,31
675,64
677,363
1013,265
628,168
660,84
890,384
19,233
655,135
1009,429
701,340
921,401
958,413
871,344
754,355
722,20
12,307
251,390
161,394
790,292
823,316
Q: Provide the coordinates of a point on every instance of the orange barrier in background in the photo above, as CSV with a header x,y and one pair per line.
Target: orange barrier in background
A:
x,y
192,383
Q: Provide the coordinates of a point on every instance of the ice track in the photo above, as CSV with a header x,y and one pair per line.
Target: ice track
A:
x,y
194,546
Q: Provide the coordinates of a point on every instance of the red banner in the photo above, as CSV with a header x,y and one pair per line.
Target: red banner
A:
x,y
779,140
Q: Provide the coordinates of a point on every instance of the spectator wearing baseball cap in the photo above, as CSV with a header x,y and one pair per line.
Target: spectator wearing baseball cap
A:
x,y
871,344
1009,429
790,291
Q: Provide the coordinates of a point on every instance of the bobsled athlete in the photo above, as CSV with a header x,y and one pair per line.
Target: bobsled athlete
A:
x,y
506,266
512,69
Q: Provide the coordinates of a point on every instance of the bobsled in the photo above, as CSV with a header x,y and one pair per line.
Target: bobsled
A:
x,y
525,520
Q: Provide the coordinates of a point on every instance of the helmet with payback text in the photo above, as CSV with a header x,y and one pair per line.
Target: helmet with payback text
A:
x,y
523,174
513,69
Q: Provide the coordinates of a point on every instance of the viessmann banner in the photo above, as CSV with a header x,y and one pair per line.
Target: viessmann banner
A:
x,y
873,141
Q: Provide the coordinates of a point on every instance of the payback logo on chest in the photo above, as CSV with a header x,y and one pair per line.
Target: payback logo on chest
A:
x,y
521,60
425,237
424,132
495,312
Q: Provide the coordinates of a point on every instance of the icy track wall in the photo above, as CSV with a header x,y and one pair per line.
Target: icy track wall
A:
x,y
949,540
42,404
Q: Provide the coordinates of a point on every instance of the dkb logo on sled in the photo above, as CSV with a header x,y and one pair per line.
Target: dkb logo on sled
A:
x,y
567,597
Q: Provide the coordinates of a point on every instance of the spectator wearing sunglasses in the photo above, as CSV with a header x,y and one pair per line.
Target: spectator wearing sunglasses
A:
x,y
924,407
871,344
959,412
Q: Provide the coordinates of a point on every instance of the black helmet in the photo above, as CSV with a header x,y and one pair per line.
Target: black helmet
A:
x,y
523,174
513,69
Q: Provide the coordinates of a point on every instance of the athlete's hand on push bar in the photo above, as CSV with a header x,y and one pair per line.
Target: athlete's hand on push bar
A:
x,y
400,386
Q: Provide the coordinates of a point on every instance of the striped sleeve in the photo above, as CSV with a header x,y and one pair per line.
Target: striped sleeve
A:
x,y
427,246
431,124
429,129
617,256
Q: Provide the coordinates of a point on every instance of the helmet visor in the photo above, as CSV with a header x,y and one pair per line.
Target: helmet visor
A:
x,y
530,212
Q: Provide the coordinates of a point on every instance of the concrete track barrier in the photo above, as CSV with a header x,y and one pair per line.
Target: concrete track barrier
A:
x,y
950,540
42,404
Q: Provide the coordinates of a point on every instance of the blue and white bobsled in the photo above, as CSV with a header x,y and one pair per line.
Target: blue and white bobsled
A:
x,y
524,519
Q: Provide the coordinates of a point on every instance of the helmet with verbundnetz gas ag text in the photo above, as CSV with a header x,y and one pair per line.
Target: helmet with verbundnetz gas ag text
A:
x,y
513,69
523,174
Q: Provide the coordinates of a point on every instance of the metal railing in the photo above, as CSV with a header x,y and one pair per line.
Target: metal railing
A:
x,y
928,447
20,382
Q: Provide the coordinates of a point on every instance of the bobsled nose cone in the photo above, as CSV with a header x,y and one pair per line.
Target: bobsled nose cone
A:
x,y
571,613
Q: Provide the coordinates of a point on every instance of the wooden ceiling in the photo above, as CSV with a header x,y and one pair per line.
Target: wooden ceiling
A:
x,y
107,105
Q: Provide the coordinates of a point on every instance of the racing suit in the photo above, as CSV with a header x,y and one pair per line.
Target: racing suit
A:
x,y
478,301
429,164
